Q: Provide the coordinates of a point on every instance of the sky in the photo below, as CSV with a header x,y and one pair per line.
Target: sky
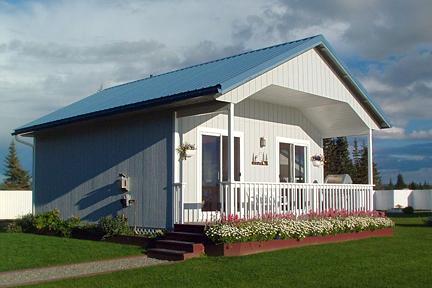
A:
x,y
53,53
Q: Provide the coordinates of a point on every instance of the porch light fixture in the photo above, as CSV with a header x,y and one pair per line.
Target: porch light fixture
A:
x,y
262,142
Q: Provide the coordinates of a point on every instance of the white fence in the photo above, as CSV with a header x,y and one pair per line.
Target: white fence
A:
x,y
15,203
252,199
418,199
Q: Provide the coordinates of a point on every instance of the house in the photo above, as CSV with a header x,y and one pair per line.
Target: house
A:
x,y
256,120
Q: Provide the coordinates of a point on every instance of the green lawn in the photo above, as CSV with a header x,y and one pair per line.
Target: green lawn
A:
x,y
404,260
20,250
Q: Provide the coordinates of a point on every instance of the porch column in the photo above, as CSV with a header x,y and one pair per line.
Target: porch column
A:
x,y
178,187
370,158
371,205
230,204
176,143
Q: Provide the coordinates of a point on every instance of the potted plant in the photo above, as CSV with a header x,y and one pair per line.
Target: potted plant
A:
x,y
317,160
186,150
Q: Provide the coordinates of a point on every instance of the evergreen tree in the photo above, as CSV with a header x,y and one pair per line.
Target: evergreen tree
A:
x,y
356,157
362,172
363,169
16,177
329,147
376,177
400,183
342,159
390,185
413,186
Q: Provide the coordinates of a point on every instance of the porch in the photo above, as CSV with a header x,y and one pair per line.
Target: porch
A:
x,y
247,165
255,143
254,199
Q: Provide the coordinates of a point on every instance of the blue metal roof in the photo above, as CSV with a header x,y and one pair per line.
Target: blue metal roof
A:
x,y
217,76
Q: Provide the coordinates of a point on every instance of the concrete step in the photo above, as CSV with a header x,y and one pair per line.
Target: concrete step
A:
x,y
180,245
192,228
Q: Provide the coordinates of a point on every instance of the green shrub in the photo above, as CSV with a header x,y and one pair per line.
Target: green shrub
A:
x,y
66,227
429,221
408,210
13,227
49,223
118,225
26,223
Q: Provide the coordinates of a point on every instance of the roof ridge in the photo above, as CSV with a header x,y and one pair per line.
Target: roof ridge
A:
x,y
213,61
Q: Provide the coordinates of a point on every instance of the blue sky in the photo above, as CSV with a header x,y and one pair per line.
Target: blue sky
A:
x,y
53,53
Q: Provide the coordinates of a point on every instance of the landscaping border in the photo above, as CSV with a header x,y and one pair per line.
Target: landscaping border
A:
x,y
247,248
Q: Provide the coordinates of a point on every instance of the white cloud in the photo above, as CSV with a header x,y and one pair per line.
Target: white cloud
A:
x,y
53,53
391,133
421,134
401,133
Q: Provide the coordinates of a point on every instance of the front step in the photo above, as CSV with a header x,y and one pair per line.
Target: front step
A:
x,y
180,245
184,243
186,236
168,254
193,228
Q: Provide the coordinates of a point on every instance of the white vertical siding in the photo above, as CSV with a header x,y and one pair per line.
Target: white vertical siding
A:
x,y
14,204
254,119
307,72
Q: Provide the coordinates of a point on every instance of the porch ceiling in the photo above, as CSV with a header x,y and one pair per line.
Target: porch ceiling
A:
x,y
332,117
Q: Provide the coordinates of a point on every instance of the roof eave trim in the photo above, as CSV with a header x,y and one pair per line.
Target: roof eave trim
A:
x,y
326,48
122,109
296,51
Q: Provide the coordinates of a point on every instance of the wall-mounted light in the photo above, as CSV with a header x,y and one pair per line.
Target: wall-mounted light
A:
x,y
262,142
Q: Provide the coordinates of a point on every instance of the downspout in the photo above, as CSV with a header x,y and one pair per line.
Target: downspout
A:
x,y
19,140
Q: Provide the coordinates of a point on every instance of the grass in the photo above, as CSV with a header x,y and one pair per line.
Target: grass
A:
x,y
20,250
404,260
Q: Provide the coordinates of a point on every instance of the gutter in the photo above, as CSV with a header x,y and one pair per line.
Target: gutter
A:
x,y
19,140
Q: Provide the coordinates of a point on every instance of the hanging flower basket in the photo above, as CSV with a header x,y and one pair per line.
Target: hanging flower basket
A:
x,y
317,160
186,150
190,152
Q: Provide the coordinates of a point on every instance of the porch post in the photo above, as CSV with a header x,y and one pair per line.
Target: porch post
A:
x,y
370,158
177,188
230,167
370,207
176,143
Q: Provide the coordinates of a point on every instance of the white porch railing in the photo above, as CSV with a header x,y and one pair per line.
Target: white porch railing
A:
x,y
252,199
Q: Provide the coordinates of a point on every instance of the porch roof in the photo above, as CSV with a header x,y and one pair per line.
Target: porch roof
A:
x,y
215,77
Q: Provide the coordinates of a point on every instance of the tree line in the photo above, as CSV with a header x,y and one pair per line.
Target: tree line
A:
x,y
338,159
400,184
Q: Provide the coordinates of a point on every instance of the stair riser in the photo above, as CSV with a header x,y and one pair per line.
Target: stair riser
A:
x,y
189,238
189,228
182,247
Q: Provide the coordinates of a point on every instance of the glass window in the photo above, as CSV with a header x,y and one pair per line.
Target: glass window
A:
x,y
299,169
292,163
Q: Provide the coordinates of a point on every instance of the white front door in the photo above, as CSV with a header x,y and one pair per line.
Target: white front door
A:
x,y
212,164
214,168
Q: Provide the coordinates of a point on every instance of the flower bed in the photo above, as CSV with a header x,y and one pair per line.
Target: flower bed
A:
x,y
232,236
289,227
